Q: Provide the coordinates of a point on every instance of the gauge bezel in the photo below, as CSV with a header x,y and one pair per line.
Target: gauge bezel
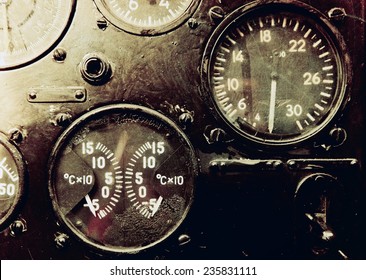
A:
x,y
72,130
329,31
21,169
39,55
129,28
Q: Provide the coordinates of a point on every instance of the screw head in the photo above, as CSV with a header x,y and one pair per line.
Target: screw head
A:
x,y
16,135
184,239
32,94
186,118
61,240
338,136
217,135
59,55
63,119
79,94
216,14
193,23
102,24
337,13
18,227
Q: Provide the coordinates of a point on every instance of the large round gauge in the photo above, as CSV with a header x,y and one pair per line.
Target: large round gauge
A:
x,y
29,28
146,17
12,174
122,178
276,73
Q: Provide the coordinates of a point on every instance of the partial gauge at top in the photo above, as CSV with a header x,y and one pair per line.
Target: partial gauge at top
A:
x,y
277,73
29,28
146,17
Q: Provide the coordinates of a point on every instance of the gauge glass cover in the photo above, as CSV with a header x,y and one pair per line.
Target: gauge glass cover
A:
x,y
146,17
276,73
122,178
29,28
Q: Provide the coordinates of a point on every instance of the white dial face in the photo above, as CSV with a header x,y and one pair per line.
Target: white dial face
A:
x,y
28,28
147,17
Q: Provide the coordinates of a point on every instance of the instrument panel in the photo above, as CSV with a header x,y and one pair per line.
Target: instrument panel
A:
x,y
182,129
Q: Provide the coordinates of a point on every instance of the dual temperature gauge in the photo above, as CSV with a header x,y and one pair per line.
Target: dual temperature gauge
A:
x,y
276,73
122,178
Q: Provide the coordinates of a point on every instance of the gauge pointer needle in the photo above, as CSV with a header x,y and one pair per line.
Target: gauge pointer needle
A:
x,y
272,103
156,206
90,205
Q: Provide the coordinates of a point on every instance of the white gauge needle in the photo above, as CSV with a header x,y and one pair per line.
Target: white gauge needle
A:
x,y
272,103
89,203
156,206
5,24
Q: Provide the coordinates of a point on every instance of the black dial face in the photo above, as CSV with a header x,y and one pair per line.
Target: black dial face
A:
x,y
122,178
11,180
28,28
275,73
146,17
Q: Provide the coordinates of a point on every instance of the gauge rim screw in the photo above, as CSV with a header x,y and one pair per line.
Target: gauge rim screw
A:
x,y
184,239
61,240
18,227
102,24
16,135
186,118
59,55
63,119
338,136
192,23
217,135
216,14
337,13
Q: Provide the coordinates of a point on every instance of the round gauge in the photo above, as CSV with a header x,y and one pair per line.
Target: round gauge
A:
x,y
146,17
29,28
276,73
122,178
12,173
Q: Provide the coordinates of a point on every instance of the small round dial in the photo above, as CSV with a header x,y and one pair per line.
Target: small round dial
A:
x,y
276,73
12,175
146,17
29,28
122,178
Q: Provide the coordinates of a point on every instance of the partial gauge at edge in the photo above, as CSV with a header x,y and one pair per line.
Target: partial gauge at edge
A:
x,y
12,177
122,178
277,73
142,17
29,29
